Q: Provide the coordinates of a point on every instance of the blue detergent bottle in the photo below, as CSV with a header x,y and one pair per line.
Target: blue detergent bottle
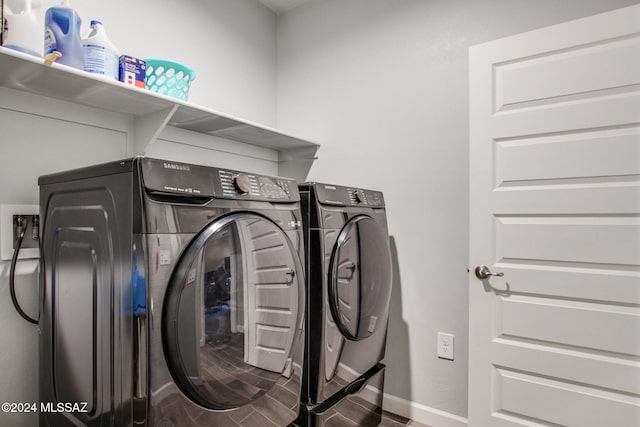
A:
x,y
62,34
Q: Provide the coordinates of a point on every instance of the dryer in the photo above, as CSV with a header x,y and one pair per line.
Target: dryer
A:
x,y
172,295
349,275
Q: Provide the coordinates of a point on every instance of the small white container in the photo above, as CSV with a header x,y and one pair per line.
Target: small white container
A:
x,y
24,32
100,55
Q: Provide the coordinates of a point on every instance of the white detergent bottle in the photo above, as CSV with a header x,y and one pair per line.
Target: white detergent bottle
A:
x,y
23,31
100,55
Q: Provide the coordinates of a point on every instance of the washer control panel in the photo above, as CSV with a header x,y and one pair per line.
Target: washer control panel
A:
x,y
242,185
198,182
348,196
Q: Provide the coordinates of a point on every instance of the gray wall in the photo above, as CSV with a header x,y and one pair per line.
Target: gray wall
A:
x,y
232,47
383,85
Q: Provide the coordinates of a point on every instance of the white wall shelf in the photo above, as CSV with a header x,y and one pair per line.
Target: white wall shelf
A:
x,y
151,112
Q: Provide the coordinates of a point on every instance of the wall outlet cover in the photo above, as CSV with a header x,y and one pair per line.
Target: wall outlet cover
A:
x,y
445,346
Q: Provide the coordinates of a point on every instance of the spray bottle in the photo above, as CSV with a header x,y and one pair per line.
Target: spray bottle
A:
x,y
62,34
22,31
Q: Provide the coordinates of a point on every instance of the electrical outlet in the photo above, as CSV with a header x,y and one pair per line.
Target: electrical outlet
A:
x,y
8,232
445,346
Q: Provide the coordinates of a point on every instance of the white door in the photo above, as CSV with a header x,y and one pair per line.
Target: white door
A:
x,y
272,298
555,206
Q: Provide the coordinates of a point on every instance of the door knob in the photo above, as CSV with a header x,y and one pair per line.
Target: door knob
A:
x,y
290,274
483,272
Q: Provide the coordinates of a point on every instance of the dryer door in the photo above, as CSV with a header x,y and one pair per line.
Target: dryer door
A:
x,y
360,278
233,313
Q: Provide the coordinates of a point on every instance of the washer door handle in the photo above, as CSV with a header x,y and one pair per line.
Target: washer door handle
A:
x,y
483,272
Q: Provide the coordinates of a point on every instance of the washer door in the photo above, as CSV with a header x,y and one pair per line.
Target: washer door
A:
x,y
233,308
360,278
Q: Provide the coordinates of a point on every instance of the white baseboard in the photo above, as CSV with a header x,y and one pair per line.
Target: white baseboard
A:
x,y
421,413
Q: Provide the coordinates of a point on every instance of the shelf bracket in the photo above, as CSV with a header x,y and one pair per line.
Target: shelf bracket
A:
x,y
147,128
296,162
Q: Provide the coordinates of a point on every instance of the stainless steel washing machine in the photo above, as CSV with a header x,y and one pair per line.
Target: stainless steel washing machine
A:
x,y
172,295
348,263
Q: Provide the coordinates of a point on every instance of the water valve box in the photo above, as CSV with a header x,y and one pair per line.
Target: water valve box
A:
x,y
133,71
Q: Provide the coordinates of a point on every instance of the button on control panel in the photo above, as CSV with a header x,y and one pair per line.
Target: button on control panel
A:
x,y
242,183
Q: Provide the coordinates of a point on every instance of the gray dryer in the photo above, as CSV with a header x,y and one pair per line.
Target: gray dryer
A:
x,y
348,264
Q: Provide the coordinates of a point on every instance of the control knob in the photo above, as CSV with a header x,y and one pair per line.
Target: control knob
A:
x,y
360,198
242,183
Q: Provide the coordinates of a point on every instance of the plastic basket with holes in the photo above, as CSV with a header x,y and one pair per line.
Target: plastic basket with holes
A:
x,y
169,78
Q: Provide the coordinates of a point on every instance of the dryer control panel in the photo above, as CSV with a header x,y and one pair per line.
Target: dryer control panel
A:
x,y
348,196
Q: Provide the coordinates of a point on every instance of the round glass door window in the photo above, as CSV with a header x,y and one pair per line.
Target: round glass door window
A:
x,y
232,310
360,278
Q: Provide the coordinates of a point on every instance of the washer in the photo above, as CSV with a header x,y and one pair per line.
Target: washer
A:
x,y
349,277
172,295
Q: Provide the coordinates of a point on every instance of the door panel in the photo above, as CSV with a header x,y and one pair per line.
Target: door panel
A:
x,y
609,158
579,239
565,403
574,323
548,77
555,206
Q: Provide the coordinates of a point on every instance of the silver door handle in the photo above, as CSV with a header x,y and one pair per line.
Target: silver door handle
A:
x,y
347,271
290,275
483,272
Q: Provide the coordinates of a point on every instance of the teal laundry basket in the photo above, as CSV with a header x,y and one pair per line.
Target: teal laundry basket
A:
x,y
169,78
